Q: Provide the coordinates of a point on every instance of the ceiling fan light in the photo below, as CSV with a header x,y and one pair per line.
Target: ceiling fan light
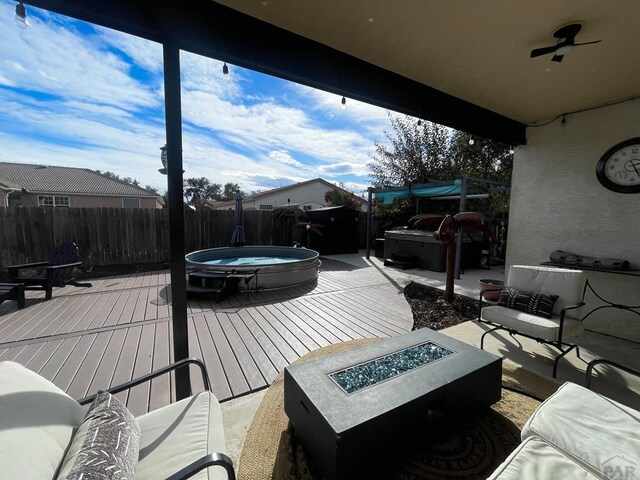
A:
x,y
563,50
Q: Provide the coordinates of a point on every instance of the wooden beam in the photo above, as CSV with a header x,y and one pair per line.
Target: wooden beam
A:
x,y
213,30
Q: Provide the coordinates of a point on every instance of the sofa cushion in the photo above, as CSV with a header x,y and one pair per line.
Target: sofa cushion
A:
x,y
567,284
105,445
533,325
36,423
179,434
535,303
599,433
535,459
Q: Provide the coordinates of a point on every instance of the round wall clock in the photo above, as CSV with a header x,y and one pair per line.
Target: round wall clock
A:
x,y
619,168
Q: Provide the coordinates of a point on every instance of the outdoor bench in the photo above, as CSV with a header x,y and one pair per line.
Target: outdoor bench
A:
x,y
12,291
541,303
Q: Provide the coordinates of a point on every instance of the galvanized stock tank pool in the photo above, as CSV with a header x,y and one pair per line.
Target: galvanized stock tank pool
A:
x,y
280,267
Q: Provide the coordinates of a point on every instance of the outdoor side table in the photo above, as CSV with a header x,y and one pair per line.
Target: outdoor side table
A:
x,y
12,291
345,423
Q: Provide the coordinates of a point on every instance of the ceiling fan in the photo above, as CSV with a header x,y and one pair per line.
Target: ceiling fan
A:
x,y
566,36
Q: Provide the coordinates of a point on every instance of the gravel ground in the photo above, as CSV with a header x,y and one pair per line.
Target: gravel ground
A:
x,y
430,310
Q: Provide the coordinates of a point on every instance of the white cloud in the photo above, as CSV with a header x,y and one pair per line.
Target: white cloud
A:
x,y
59,61
145,53
331,104
268,126
89,110
283,156
344,168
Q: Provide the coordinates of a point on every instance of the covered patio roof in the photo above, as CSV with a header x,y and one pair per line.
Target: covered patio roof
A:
x,y
463,64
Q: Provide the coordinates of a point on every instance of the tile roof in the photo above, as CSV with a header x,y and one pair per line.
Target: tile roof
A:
x,y
51,179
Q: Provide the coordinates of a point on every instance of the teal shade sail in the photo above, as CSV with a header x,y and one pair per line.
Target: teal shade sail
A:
x,y
435,191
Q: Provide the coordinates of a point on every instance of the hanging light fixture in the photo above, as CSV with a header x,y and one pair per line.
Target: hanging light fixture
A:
x,y
344,103
163,159
225,69
21,16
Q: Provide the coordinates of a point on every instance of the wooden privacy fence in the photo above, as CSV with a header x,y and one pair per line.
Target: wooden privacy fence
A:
x,y
111,236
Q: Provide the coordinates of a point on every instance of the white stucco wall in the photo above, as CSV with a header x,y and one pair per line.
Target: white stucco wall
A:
x,y
557,203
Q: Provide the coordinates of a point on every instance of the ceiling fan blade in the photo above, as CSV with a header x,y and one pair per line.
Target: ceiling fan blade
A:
x,y
543,51
557,58
586,43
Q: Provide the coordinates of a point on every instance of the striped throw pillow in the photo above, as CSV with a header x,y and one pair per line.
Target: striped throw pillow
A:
x,y
535,303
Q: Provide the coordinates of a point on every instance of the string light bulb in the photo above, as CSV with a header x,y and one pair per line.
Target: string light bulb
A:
x,y
512,151
21,16
225,70
344,103
471,141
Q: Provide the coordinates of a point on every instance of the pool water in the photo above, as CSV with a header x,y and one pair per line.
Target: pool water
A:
x,y
251,260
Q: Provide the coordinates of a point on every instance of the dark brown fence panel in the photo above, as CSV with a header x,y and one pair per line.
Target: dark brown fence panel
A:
x,y
110,236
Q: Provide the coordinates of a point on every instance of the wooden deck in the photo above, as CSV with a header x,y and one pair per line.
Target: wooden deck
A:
x,y
90,338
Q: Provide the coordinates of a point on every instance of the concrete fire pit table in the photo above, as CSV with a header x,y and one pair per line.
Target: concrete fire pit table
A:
x,y
347,408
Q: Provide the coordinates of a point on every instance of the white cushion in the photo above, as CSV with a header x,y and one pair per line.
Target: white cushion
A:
x,y
179,434
600,434
536,460
538,327
36,423
567,284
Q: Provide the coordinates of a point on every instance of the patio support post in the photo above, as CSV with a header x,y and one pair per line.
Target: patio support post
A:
x,y
463,206
173,119
369,214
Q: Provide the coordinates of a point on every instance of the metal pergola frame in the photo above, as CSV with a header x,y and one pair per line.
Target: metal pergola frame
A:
x,y
464,194
212,30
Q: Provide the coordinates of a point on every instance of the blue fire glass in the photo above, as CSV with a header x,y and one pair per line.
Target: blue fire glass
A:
x,y
357,377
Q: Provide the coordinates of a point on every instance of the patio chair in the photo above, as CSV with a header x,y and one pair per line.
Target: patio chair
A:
x,y
540,303
56,273
38,422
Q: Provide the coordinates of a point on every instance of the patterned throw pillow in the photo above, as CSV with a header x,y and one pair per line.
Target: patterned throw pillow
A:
x,y
534,303
105,446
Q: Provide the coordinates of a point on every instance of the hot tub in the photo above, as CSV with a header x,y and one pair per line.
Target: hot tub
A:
x,y
428,252
280,267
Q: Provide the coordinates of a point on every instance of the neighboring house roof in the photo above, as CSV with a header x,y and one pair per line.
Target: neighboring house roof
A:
x,y
51,179
250,198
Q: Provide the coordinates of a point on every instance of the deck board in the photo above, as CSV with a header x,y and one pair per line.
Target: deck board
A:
x,y
90,338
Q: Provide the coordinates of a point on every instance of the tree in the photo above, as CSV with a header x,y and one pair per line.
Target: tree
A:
x,y
197,191
230,190
416,152
129,180
338,197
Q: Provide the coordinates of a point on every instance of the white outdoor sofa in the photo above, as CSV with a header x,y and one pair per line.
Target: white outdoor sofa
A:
x,y
38,419
565,321
576,434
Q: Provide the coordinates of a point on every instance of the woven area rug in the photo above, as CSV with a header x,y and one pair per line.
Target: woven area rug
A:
x,y
469,448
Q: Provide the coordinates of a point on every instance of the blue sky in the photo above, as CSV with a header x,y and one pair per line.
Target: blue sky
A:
x,y
79,95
